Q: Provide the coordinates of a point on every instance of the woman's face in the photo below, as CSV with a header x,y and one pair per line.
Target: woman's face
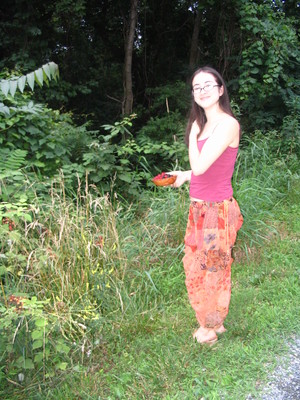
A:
x,y
206,90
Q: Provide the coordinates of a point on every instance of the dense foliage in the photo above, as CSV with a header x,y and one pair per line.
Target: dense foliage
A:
x,y
84,234
253,43
84,274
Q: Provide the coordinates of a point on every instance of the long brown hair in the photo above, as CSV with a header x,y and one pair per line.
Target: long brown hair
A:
x,y
197,113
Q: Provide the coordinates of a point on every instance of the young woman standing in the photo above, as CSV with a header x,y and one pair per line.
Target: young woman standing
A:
x,y
212,136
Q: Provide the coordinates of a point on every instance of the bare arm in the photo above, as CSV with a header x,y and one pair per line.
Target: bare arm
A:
x,y
225,134
182,177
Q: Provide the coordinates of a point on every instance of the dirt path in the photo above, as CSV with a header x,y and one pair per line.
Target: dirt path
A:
x,y
284,382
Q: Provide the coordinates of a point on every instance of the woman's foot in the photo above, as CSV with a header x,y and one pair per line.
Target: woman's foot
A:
x,y
221,329
205,336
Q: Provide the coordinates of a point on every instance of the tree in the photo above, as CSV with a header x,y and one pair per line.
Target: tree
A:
x,y
194,53
111,52
269,72
129,40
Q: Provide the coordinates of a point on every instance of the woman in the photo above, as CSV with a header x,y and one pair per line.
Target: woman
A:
x,y
212,137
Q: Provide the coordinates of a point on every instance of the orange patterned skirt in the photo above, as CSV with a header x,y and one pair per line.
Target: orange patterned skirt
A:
x,y
210,235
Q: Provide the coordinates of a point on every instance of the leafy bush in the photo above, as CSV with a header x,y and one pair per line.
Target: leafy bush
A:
x,y
30,340
268,76
110,159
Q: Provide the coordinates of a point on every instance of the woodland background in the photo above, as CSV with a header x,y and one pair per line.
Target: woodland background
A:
x,y
133,60
94,98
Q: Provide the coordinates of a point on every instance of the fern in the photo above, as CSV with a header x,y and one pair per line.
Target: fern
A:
x,y
13,161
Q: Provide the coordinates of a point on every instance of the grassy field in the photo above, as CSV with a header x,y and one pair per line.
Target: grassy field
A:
x,y
151,355
100,309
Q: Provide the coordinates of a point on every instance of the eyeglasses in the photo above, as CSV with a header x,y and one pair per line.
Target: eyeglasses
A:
x,y
207,88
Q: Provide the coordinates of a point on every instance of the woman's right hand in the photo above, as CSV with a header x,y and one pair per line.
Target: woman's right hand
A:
x,y
182,177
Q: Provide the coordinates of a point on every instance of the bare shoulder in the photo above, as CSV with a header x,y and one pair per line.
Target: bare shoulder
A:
x,y
230,122
228,130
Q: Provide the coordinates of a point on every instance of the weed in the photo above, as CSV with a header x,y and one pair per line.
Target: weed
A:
x,y
94,305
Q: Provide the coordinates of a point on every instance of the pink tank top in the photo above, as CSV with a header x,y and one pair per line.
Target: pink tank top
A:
x,y
215,183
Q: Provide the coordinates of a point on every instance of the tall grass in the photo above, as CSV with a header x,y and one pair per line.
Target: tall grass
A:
x,y
261,181
110,283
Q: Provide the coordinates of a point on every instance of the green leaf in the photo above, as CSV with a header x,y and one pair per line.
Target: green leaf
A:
x,y
27,217
41,323
37,334
28,364
105,167
39,164
21,83
62,348
50,374
45,77
47,71
53,70
39,76
13,87
3,270
37,344
124,161
4,109
5,86
51,145
62,366
30,80
125,177
39,357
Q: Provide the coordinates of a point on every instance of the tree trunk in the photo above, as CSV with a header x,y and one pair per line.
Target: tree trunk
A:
x,y
129,38
194,52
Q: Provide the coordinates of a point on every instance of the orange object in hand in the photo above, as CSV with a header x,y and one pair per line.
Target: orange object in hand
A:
x,y
164,179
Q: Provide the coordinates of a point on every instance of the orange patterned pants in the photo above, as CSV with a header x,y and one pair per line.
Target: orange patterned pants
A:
x,y
210,235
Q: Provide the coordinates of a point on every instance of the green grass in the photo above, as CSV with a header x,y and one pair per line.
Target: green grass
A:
x,y
148,352
121,306
157,358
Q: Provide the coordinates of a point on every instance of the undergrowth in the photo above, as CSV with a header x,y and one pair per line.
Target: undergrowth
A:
x,y
93,302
